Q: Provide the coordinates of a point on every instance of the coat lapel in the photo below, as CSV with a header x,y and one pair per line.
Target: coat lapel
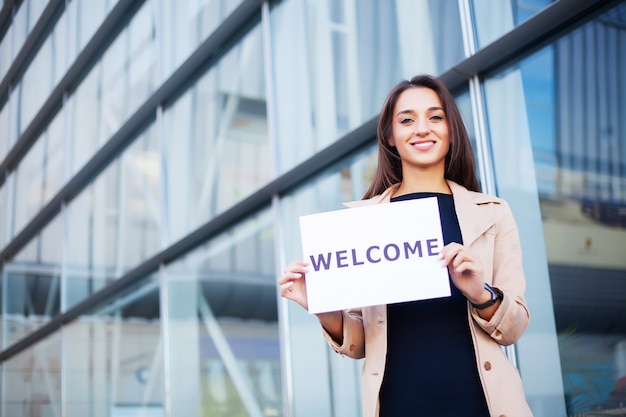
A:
x,y
474,212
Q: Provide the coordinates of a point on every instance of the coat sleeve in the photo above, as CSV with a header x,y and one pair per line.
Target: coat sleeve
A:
x,y
512,316
353,344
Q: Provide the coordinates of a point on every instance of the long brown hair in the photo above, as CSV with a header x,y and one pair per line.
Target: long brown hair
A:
x,y
459,164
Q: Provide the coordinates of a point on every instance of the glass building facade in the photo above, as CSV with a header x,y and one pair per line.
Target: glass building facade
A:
x,y
155,156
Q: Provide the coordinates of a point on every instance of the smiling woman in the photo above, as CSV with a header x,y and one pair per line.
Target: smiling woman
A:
x,y
447,349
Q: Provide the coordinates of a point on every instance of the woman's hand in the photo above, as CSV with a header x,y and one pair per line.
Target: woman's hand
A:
x,y
293,283
293,287
466,272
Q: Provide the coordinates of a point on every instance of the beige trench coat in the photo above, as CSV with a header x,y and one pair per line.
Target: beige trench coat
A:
x,y
488,228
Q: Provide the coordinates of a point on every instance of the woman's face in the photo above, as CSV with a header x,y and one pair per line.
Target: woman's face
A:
x,y
420,130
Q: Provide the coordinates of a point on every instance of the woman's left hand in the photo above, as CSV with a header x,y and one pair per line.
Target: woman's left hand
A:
x,y
466,271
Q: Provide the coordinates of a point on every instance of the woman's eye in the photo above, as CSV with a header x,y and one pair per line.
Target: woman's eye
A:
x,y
437,117
406,121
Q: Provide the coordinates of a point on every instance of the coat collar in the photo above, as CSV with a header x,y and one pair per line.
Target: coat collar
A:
x,y
473,209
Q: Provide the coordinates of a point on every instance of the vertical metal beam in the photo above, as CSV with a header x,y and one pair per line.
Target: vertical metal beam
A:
x,y
164,308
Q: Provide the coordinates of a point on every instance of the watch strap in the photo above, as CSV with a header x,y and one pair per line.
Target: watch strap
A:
x,y
496,295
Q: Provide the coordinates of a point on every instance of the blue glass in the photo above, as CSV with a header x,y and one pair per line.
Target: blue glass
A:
x,y
492,19
557,131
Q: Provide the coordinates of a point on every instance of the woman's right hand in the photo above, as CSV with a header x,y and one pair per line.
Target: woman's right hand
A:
x,y
293,283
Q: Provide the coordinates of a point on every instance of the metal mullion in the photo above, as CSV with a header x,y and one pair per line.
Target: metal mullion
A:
x,y
284,331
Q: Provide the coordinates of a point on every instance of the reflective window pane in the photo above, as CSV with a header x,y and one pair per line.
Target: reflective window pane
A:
x,y
6,54
115,87
335,62
3,216
86,16
20,28
39,175
113,357
29,186
35,9
33,280
31,381
224,347
216,139
4,131
114,224
54,158
42,74
186,25
559,142
493,19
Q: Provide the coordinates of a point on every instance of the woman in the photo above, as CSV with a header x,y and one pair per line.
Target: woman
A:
x,y
439,357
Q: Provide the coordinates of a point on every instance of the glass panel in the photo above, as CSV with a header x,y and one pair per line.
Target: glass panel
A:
x,y
83,278
560,114
114,88
464,103
86,18
216,139
114,224
4,130
113,358
3,216
41,75
35,8
20,28
493,19
31,381
33,280
29,186
186,25
335,65
224,352
54,158
6,56
39,175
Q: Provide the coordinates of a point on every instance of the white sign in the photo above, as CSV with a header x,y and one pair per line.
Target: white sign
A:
x,y
374,255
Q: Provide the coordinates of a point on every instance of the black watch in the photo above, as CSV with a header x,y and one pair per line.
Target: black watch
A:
x,y
496,295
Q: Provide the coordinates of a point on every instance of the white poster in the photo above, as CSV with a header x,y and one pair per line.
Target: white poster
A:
x,y
373,255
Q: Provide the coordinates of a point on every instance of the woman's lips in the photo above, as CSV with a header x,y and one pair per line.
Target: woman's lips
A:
x,y
423,144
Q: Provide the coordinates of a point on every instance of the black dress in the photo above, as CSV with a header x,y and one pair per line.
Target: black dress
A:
x,y
431,367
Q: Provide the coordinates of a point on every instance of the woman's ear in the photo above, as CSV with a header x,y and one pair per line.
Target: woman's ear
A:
x,y
391,142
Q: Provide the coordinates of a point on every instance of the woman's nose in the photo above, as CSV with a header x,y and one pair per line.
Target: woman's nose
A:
x,y
421,127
